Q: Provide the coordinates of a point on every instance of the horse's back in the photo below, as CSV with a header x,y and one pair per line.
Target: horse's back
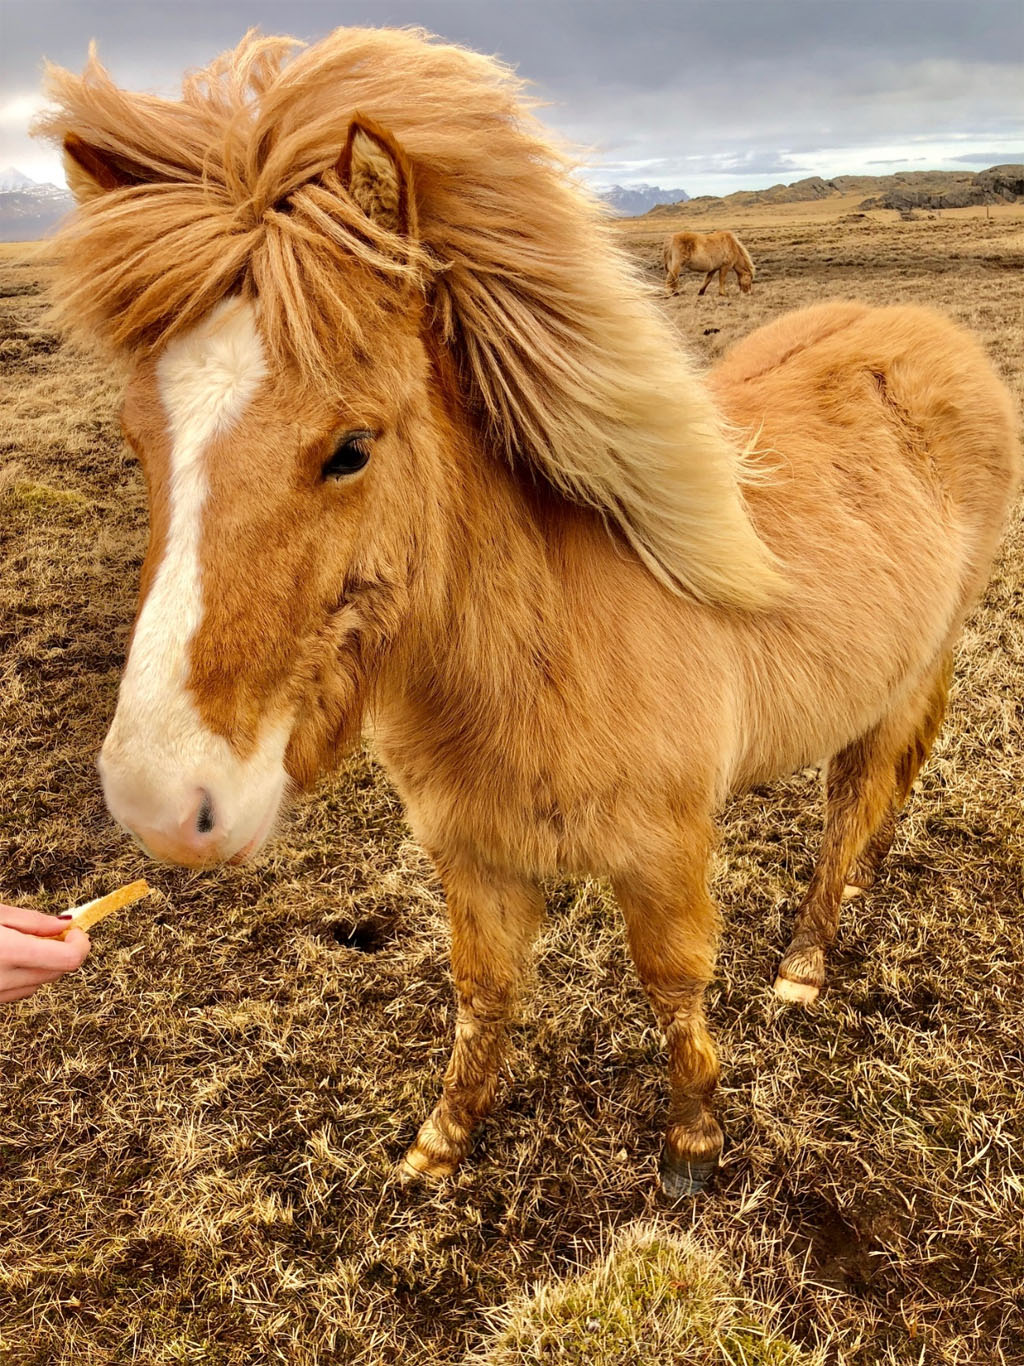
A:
x,y
701,250
892,458
903,382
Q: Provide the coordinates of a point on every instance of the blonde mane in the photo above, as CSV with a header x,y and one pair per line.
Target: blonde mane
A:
x,y
561,349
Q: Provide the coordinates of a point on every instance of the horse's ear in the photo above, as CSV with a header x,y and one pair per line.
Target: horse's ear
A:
x,y
93,171
377,174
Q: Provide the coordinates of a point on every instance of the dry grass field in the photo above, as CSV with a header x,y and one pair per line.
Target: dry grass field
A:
x,y
198,1130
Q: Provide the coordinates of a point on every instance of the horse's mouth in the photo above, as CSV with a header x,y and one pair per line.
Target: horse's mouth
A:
x,y
262,834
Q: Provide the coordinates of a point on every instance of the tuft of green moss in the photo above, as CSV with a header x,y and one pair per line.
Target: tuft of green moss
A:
x,y
34,497
655,1299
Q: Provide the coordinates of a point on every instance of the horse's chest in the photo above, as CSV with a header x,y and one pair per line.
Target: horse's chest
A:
x,y
523,816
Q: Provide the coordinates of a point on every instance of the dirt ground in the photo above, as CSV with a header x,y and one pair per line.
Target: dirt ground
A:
x,y
198,1131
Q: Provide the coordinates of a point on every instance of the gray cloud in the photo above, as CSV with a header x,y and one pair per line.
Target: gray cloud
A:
x,y
666,89
992,158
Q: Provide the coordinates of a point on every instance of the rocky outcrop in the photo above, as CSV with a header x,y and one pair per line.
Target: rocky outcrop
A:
x,y
1005,181
997,185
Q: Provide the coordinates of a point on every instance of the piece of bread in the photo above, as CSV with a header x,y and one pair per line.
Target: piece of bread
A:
x,y
92,912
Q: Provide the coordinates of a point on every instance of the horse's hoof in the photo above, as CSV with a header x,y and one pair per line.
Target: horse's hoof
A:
x,y
801,974
801,993
683,1177
852,890
417,1165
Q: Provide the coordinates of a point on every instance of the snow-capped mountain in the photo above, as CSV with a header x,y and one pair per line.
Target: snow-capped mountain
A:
x,y
29,209
12,179
637,199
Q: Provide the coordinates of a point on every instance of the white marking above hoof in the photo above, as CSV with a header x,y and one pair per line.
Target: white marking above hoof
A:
x,y
802,993
851,891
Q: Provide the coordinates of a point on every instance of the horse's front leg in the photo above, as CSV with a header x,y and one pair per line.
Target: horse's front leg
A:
x,y
672,926
707,280
494,917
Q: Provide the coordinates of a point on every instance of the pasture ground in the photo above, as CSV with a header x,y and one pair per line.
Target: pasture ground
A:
x,y
198,1130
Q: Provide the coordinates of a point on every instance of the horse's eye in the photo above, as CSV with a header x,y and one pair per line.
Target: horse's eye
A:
x,y
350,455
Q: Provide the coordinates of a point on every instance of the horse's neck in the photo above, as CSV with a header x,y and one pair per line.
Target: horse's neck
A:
x,y
498,596
532,625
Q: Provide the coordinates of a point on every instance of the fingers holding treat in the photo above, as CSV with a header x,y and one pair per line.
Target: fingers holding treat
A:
x,y
37,948
31,922
29,960
44,953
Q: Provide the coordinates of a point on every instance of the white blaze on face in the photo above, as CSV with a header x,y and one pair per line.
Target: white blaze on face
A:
x,y
159,758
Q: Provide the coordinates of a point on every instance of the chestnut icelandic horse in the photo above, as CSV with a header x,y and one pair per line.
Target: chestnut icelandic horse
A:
x,y
410,468
710,252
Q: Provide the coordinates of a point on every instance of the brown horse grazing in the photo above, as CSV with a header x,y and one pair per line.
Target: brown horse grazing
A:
x,y
408,466
710,252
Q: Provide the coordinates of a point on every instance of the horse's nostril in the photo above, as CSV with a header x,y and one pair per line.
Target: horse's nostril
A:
x,y
204,820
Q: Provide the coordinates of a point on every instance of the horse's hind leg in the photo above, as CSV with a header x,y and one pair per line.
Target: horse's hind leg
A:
x,y
494,918
865,866
859,787
671,926
867,784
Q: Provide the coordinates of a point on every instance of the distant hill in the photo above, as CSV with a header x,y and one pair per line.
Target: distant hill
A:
x,y
633,200
902,190
28,209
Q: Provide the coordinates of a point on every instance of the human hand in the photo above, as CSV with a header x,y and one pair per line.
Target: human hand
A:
x,y
31,955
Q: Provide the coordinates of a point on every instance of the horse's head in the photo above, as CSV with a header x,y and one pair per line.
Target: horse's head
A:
x,y
746,280
283,517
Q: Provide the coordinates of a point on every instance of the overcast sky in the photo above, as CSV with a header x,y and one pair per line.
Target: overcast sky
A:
x,y
703,95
